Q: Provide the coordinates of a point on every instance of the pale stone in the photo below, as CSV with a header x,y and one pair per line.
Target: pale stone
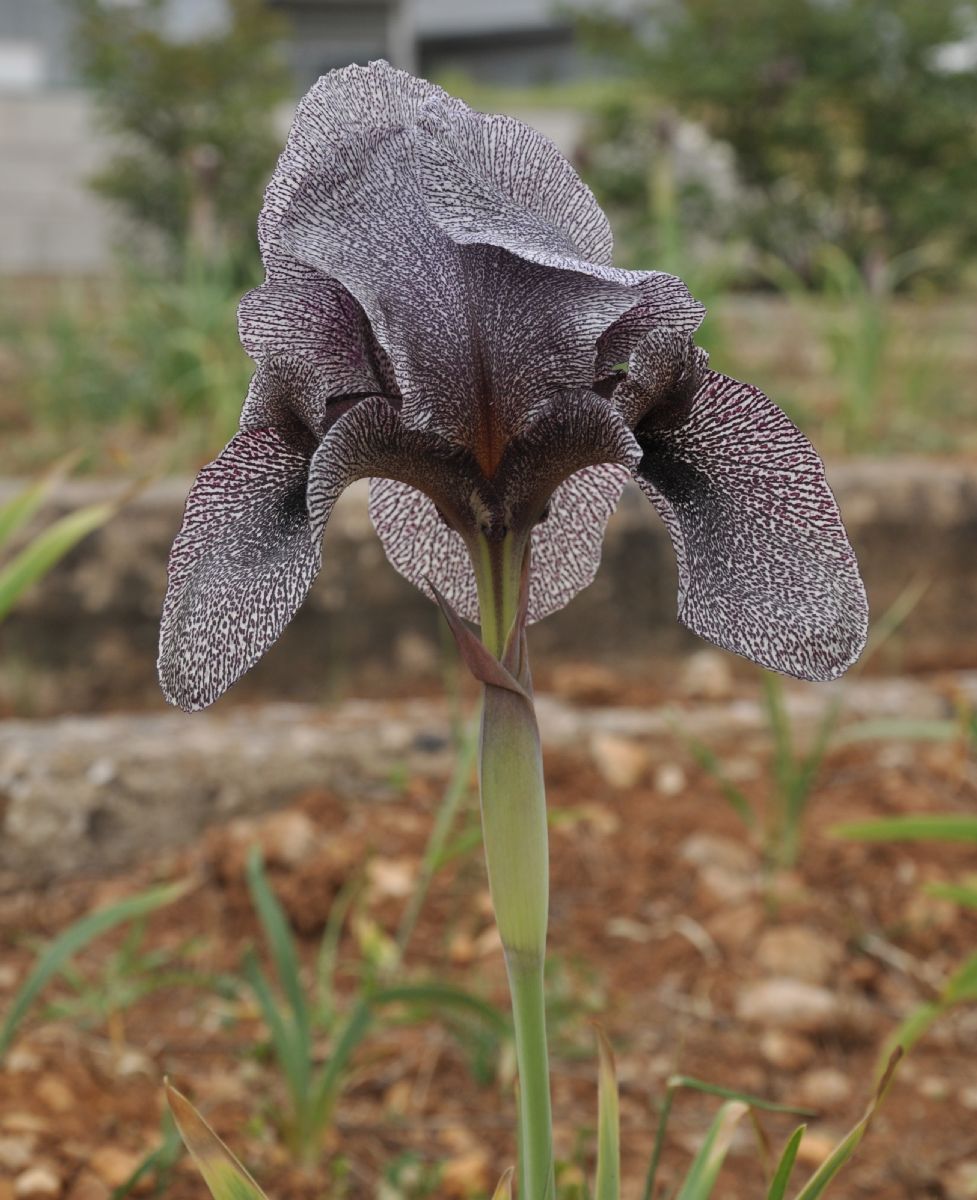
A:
x,y
736,927
785,1050
621,762
960,1181
16,1151
712,849
113,1165
670,779
788,1004
54,1094
38,1183
824,1088
287,838
798,952
87,1186
815,1147
706,675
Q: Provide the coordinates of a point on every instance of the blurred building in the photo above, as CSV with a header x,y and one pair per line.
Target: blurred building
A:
x,y
49,143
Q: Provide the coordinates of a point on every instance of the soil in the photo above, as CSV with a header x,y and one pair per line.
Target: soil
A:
x,y
664,926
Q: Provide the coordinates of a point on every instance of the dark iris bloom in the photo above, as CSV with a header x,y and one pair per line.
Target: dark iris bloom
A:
x,y
441,315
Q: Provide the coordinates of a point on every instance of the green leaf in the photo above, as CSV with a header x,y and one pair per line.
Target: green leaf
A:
x,y
707,1164
733,795
445,995
280,941
962,984
959,893
714,1089
897,729
19,510
37,558
223,1174
785,1168
818,1183
608,1183
947,827
51,961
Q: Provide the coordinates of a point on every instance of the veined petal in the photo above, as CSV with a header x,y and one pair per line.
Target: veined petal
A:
x,y
340,105
664,305
317,322
241,565
493,180
372,440
765,566
565,547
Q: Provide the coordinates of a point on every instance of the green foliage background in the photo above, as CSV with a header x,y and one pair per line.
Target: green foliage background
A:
x,y
847,123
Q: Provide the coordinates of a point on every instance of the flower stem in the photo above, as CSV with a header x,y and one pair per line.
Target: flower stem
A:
x,y
514,829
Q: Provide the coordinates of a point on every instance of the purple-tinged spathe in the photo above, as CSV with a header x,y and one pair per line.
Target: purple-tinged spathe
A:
x,y
441,315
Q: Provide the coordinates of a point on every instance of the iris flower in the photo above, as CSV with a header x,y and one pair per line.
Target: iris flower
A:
x,y
440,314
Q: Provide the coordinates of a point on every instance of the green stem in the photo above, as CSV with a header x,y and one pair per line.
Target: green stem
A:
x,y
535,1115
514,829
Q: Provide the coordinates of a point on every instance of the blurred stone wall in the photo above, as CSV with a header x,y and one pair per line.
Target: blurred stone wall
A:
x,y
86,638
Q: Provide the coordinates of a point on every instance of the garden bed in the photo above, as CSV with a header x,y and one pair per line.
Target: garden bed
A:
x,y
664,925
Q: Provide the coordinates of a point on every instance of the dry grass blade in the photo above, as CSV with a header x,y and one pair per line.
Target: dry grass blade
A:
x,y
224,1175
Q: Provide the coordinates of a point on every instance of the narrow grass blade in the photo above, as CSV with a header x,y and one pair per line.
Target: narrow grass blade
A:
x,y
504,1190
223,1174
710,763
707,1164
445,995
962,984
608,1183
15,514
52,960
819,1181
291,1052
281,943
40,555
898,729
785,1168
959,893
677,1082
946,827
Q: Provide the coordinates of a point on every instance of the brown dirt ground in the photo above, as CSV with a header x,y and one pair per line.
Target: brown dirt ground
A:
x,y
660,947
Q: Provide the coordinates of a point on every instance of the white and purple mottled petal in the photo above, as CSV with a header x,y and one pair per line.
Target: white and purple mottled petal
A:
x,y
565,547
665,307
765,566
241,565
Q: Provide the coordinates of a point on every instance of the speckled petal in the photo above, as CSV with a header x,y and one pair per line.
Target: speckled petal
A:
x,y
493,180
241,565
565,547
765,566
315,322
665,306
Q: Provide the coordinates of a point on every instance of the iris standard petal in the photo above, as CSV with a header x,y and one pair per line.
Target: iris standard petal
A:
x,y
664,305
241,565
765,566
317,322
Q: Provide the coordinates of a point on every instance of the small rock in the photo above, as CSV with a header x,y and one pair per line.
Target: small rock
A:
x,y
799,952
726,885
968,1097
21,1060
788,1004
287,838
391,877
815,1147
54,1093
670,779
824,1088
960,1181
88,1187
621,762
736,927
24,1122
16,1151
586,683
713,850
9,978
706,675
131,1061
465,1175
785,1050
113,1165
933,1087
38,1183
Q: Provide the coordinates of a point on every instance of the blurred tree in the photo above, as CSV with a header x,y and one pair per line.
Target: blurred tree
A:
x,y
852,121
194,117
